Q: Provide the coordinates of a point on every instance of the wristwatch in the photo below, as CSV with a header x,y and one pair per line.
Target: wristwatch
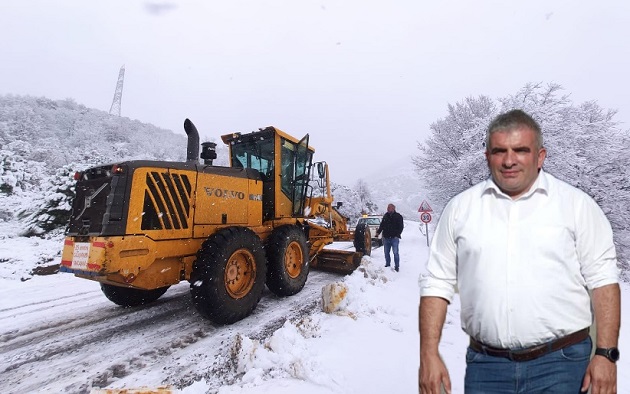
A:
x,y
611,353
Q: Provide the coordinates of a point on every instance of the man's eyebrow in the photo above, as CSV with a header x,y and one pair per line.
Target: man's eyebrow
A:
x,y
524,148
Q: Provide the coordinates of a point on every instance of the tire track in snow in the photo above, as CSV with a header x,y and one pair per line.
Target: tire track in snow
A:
x,y
93,343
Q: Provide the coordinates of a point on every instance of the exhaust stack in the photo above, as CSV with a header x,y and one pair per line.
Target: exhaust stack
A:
x,y
192,152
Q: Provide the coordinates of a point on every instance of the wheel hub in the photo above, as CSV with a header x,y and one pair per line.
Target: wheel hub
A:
x,y
294,259
240,273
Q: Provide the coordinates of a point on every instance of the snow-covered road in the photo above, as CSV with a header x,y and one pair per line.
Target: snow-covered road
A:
x,y
82,339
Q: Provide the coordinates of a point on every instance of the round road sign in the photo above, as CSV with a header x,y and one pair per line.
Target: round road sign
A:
x,y
425,217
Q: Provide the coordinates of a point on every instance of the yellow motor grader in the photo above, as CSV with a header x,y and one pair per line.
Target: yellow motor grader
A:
x,y
138,227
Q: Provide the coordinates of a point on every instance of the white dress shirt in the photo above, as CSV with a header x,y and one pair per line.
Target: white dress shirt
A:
x,y
523,267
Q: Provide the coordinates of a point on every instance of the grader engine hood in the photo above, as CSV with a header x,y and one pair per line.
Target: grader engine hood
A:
x,y
229,199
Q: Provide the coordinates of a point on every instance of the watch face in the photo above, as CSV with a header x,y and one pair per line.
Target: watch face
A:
x,y
614,354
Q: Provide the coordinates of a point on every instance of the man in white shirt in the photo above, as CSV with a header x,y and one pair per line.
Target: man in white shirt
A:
x,y
524,249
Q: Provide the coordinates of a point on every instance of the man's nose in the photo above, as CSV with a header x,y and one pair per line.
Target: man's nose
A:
x,y
509,159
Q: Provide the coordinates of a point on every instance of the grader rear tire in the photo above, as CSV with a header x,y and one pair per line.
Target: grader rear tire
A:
x,y
363,239
228,276
287,256
127,296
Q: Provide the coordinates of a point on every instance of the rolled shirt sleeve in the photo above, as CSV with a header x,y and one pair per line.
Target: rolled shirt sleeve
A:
x,y
594,245
440,280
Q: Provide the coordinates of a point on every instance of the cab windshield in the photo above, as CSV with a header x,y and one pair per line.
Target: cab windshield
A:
x,y
256,154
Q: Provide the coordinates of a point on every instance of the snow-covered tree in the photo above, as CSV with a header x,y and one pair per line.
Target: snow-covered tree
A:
x,y
17,173
451,159
365,197
51,209
352,206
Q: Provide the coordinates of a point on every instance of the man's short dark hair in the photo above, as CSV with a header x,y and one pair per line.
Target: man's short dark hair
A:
x,y
512,120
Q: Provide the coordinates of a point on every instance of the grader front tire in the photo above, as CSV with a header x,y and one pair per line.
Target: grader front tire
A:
x,y
363,239
287,256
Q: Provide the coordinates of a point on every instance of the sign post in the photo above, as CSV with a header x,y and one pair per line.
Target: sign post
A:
x,y
425,216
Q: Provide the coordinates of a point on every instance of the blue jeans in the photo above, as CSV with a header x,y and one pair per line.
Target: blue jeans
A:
x,y
391,244
559,372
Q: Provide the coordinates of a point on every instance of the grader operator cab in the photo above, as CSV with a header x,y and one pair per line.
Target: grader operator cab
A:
x,y
138,227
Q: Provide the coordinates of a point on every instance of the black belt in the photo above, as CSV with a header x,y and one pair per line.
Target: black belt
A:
x,y
532,352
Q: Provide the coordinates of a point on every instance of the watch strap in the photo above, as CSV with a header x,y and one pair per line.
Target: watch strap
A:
x,y
611,354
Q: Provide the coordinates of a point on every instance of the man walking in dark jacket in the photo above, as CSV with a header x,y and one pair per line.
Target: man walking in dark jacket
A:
x,y
391,227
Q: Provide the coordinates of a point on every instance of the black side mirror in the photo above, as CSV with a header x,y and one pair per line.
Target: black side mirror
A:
x,y
321,170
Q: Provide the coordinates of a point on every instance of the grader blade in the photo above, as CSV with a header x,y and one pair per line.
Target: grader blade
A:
x,y
338,261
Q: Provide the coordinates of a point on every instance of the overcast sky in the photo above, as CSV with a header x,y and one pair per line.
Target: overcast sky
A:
x,y
365,78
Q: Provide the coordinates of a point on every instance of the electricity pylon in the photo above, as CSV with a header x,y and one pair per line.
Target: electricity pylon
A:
x,y
116,103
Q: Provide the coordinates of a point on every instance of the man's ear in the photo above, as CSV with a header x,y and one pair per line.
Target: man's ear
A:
x,y
542,155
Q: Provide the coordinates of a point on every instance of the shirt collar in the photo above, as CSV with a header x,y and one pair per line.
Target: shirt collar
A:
x,y
540,185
